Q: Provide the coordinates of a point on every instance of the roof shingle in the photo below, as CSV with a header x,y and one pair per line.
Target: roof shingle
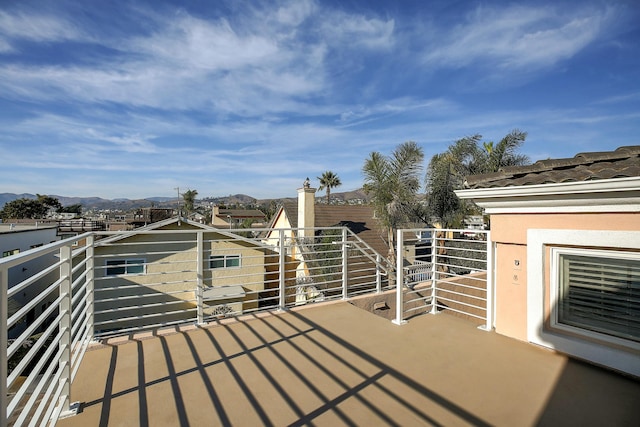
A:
x,y
621,163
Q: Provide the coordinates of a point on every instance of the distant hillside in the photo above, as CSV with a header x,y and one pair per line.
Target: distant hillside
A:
x,y
97,203
231,199
10,197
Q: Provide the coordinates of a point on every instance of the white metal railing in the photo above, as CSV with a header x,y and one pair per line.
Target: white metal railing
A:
x,y
43,329
444,269
106,283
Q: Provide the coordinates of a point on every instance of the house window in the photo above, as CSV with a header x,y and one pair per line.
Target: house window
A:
x,y
224,261
11,252
125,266
598,291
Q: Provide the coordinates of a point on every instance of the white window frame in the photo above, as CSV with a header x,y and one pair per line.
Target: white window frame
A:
x,y
122,263
556,253
225,258
538,240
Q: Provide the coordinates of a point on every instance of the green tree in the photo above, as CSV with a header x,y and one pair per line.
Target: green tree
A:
x,y
467,156
189,198
25,208
393,183
49,202
328,180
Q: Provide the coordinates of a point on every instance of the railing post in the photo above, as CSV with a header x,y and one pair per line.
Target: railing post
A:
x,y
399,280
378,274
281,267
199,276
90,289
4,398
489,294
64,363
345,259
434,272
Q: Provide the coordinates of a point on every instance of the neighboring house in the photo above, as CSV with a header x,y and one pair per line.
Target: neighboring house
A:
x,y
19,238
146,216
566,235
234,218
306,213
162,269
73,227
295,222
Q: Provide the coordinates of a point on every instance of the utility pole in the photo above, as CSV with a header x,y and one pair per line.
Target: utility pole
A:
x,y
178,190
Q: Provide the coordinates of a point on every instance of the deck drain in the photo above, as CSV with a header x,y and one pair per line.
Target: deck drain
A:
x,y
380,306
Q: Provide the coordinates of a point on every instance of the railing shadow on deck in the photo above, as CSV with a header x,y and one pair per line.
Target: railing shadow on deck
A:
x,y
289,356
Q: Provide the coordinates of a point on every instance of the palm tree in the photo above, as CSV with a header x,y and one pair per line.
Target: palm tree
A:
x,y
467,156
504,153
329,180
393,183
189,198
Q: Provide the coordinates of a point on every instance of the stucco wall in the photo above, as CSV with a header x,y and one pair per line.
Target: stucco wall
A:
x,y
509,231
511,290
508,228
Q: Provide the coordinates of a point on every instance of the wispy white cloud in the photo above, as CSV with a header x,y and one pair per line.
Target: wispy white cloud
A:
x,y
36,27
518,37
188,62
618,99
357,31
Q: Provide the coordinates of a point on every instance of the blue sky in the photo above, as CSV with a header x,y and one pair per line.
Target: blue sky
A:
x,y
133,99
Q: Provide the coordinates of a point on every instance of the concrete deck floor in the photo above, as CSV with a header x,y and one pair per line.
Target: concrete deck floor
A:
x,y
335,364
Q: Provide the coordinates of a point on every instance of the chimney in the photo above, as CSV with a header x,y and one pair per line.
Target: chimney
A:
x,y
306,208
215,211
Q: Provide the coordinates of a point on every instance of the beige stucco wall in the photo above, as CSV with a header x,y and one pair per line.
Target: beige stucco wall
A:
x,y
512,228
170,275
511,290
509,231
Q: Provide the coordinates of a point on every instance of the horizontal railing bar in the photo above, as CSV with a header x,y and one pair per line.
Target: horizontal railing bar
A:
x,y
441,298
139,306
134,297
147,253
457,283
31,328
24,310
77,312
33,376
28,357
141,317
28,255
154,284
146,242
76,361
463,294
419,307
444,307
50,396
34,396
79,265
451,257
30,280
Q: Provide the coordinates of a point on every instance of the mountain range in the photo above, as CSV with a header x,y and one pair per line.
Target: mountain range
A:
x,y
97,203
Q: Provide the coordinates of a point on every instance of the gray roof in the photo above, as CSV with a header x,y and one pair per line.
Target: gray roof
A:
x,y
621,163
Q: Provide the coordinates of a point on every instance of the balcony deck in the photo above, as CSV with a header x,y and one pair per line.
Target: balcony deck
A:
x,y
335,364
